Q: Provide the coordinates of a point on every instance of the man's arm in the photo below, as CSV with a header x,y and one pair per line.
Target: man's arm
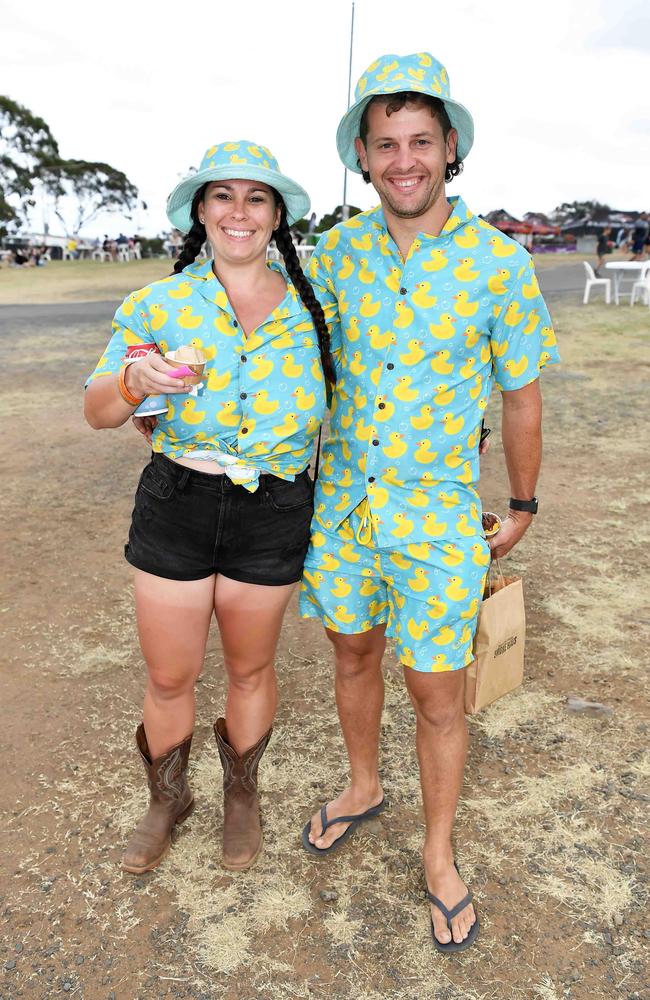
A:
x,y
521,432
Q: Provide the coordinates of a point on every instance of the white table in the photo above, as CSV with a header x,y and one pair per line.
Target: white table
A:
x,y
626,268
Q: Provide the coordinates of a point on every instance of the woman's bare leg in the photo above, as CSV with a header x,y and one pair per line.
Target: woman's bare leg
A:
x,y
249,617
173,622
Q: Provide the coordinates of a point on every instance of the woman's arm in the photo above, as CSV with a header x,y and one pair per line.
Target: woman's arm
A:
x,y
104,405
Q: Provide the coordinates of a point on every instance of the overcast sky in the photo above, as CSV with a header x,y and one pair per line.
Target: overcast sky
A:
x,y
559,90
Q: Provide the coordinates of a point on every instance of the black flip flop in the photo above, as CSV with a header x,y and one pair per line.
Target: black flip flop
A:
x,y
453,946
326,823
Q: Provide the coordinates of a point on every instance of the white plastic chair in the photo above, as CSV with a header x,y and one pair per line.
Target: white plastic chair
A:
x,y
593,280
641,288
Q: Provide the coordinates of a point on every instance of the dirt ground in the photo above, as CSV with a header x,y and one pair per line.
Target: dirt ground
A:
x,y
550,830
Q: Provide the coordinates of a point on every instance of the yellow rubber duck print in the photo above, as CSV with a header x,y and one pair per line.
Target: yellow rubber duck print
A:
x,y
368,588
421,297
463,527
423,452
288,426
417,629
532,324
347,268
477,387
453,425
394,280
472,610
159,316
514,314
345,480
414,354
449,500
548,337
419,581
347,418
189,413
261,367
405,315
367,307
379,341
290,368
187,319
420,551
500,248
364,273
438,261
355,365
403,525
209,352
384,409
390,476
455,590
342,588
467,370
432,526
362,243
497,282
304,400
332,240
481,557
453,459
362,430
438,608
223,323
418,497
227,415
353,330
445,636
531,290
443,330
463,305
349,553
444,395
454,556
262,403
425,419
465,270
468,239
403,391
377,495
440,664
397,446
329,562
516,368
440,363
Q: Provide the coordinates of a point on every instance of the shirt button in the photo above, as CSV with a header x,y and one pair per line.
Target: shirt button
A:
x,y
381,406
390,366
235,323
243,357
403,290
244,430
371,479
375,442
243,395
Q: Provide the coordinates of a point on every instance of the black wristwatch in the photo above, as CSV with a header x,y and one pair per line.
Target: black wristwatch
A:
x,y
529,506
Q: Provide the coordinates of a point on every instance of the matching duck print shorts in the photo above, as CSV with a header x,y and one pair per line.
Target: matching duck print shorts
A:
x,y
427,596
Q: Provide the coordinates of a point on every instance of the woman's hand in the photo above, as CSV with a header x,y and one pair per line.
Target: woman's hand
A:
x,y
150,377
146,426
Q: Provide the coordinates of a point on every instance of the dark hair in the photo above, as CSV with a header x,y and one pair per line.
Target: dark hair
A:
x,y
282,236
395,102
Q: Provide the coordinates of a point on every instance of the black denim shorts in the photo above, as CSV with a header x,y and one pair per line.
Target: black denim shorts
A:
x,y
187,525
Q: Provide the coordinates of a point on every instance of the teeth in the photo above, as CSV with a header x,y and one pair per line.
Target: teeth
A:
x,y
406,183
239,233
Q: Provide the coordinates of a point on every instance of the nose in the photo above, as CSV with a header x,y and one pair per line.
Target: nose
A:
x,y
404,158
239,209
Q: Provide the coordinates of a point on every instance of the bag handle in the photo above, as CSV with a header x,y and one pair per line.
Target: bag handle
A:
x,y
497,563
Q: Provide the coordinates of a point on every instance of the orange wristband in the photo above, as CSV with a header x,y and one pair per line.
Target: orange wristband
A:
x,y
127,396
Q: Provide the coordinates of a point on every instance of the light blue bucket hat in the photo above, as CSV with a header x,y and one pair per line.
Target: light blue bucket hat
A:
x,y
238,160
392,74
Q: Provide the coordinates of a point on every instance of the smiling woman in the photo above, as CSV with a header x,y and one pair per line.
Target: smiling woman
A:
x,y
223,510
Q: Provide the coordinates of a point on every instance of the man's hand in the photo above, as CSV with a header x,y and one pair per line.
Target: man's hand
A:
x,y
513,528
146,426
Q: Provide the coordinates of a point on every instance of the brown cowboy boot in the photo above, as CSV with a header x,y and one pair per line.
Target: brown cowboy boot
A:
x,y
242,830
170,802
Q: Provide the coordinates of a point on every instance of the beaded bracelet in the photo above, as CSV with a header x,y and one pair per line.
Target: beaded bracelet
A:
x,y
127,396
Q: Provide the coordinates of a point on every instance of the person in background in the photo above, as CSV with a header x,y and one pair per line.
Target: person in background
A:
x,y
603,247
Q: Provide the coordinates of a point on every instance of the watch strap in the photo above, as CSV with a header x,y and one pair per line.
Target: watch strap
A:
x,y
529,506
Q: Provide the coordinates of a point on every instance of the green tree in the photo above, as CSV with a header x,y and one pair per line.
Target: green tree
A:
x,y
575,211
83,190
26,146
332,218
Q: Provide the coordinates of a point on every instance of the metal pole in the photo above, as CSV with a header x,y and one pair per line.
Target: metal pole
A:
x,y
345,213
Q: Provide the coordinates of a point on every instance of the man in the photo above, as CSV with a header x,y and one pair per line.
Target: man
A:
x,y
428,305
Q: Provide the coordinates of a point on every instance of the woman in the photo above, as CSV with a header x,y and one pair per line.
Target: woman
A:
x,y
222,511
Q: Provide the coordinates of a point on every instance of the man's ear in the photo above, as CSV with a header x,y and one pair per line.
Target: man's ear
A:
x,y
452,143
361,153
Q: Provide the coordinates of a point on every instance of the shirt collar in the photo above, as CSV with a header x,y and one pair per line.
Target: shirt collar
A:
x,y
209,286
459,216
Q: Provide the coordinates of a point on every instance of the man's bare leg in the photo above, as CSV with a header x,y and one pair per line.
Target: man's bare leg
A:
x,y
441,740
359,699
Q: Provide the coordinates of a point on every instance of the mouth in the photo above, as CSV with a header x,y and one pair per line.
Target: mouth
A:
x,y
237,234
406,185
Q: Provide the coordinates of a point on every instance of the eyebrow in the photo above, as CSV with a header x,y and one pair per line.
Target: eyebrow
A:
x,y
230,187
416,135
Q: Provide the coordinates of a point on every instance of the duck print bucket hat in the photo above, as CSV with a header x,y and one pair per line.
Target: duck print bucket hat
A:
x,y
238,160
391,74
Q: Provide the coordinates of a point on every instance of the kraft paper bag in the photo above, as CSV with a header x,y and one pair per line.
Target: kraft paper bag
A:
x,y
498,665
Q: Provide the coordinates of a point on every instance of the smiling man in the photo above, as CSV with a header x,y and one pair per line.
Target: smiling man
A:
x,y
430,307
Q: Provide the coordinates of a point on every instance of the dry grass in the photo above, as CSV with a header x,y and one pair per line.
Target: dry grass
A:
x,y
550,832
77,281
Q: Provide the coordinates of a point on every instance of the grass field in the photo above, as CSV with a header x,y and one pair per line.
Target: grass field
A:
x,y
552,828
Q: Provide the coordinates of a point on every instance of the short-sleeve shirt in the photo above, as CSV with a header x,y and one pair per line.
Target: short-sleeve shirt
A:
x,y
418,345
263,396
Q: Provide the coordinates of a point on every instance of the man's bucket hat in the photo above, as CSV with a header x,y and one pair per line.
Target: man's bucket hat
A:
x,y
393,74
239,160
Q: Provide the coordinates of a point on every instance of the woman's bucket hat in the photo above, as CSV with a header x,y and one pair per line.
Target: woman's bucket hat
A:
x,y
393,74
240,160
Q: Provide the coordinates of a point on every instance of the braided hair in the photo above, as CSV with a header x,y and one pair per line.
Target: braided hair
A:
x,y
282,236
284,243
195,238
